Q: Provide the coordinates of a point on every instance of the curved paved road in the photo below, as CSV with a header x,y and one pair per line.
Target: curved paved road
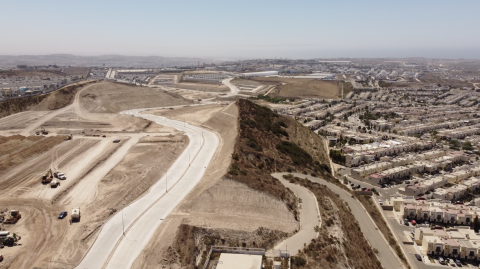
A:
x,y
374,237
309,218
234,90
124,236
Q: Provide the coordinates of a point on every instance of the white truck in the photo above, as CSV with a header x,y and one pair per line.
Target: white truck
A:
x,y
76,214
60,175
55,183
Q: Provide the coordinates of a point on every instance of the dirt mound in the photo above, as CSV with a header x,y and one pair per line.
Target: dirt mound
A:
x,y
108,97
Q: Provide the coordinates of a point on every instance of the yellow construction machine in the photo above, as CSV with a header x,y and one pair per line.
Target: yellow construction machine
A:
x,y
47,178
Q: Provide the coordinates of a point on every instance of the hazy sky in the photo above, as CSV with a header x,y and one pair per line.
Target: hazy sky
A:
x,y
243,29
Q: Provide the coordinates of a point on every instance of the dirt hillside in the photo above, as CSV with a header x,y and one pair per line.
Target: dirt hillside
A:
x,y
239,204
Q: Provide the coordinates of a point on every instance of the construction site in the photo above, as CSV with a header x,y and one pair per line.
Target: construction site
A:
x,y
160,173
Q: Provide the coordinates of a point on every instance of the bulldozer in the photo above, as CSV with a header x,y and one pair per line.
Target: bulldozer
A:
x,y
47,178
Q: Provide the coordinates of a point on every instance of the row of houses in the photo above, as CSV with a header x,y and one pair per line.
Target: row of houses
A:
x,y
457,242
434,210
358,154
386,163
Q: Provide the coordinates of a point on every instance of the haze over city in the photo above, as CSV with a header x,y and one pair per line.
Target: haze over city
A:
x,y
247,29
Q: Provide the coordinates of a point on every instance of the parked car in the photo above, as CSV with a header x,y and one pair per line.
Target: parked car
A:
x,y
441,260
358,186
62,215
458,263
380,201
364,189
407,182
418,257
427,223
414,222
59,175
353,185
116,141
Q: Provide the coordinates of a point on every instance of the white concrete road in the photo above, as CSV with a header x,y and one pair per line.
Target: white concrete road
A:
x,y
309,218
373,236
233,89
124,236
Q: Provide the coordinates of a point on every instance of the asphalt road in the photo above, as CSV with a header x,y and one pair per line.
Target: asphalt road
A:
x,y
125,235
374,237
309,218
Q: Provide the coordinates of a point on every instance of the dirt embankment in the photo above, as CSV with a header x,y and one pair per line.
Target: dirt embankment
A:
x,y
18,105
187,237
340,242
61,98
109,97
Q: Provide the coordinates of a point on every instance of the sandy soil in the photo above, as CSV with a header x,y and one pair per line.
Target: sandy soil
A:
x,y
102,177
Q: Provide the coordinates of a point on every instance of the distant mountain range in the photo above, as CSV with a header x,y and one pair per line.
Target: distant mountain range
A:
x,y
7,61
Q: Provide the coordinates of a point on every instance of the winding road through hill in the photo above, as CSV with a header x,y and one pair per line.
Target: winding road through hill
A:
x,y
309,218
368,227
125,235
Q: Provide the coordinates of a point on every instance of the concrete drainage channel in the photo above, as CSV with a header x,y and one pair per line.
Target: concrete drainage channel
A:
x,y
125,235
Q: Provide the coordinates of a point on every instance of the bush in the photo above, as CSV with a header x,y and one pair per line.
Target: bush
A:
x,y
296,154
251,142
298,261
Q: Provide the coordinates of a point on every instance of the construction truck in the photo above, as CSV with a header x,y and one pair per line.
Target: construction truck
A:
x,y
55,183
14,217
47,178
76,214
9,240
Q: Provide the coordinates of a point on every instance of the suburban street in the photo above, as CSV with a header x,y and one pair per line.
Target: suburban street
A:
x,y
374,237
125,235
309,218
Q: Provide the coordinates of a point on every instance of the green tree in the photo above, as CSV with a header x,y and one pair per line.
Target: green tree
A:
x,y
476,224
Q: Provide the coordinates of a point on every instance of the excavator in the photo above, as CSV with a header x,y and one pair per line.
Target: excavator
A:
x,y
42,131
47,178
9,241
